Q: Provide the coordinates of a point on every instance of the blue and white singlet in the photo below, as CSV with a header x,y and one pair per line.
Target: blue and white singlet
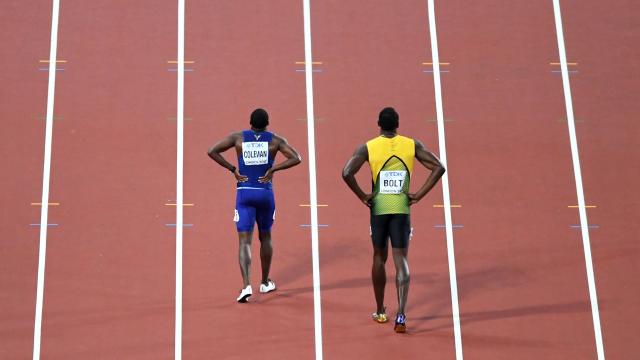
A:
x,y
255,202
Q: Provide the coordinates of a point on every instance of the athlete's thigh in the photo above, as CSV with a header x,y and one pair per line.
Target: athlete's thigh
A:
x,y
379,230
245,212
400,230
266,211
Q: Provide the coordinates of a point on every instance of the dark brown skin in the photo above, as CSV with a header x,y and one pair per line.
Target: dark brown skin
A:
x,y
378,273
278,144
424,156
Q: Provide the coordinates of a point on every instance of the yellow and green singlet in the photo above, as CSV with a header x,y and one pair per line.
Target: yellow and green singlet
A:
x,y
391,162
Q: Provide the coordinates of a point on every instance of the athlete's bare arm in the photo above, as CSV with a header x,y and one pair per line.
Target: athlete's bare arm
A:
x,y
351,168
292,156
431,162
215,152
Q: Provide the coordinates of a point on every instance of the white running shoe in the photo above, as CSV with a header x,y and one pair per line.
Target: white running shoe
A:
x,y
245,294
271,286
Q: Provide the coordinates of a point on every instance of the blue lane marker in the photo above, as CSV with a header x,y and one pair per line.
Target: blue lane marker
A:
x,y
309,225
431,71
183,225
176,69
588,226
38,224
454,226
312,70
47,69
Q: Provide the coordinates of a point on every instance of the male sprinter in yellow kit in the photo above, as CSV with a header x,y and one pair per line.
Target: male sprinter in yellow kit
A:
x,y
390,157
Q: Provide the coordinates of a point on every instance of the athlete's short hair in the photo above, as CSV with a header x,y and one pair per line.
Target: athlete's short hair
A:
x,y
388,119
259,119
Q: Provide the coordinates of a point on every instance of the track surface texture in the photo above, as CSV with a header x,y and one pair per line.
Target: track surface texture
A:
x,y
110,276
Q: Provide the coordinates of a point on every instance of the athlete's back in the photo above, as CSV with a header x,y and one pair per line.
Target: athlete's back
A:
x,y
255,157
391,162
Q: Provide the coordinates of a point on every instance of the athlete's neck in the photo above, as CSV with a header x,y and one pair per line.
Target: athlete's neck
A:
x,y
388,134
258,130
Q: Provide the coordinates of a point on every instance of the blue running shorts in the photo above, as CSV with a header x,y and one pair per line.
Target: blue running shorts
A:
x,y
254,205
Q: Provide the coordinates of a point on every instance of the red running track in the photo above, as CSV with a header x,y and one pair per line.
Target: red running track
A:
x,y
604,100
521,266
24,96
110,277
244,58
372,58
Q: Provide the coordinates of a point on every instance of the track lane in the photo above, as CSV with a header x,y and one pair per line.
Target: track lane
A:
x,y
244,58
372,57
521,267
604,96
25,34
109,284
508,273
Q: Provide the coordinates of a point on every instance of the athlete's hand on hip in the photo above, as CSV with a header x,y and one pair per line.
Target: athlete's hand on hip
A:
x,y
240,177
367,200
266,178
412,199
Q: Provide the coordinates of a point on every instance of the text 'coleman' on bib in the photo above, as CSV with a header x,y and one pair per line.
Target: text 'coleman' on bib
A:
x,y
255,153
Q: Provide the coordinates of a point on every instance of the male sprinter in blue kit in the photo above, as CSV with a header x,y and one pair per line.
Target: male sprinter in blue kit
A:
x,y
256,150
391,158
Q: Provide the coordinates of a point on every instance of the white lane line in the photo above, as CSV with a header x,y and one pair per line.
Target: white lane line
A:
x,y
313,195
179,182
584,224
46,174
455,309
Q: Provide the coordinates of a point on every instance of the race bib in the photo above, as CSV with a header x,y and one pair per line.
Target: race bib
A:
x,y
391,182
255,152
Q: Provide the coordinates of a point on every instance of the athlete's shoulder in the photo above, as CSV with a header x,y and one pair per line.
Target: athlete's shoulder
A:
x,y
362,150
375,140
407,138
236,135
418,144
278,138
